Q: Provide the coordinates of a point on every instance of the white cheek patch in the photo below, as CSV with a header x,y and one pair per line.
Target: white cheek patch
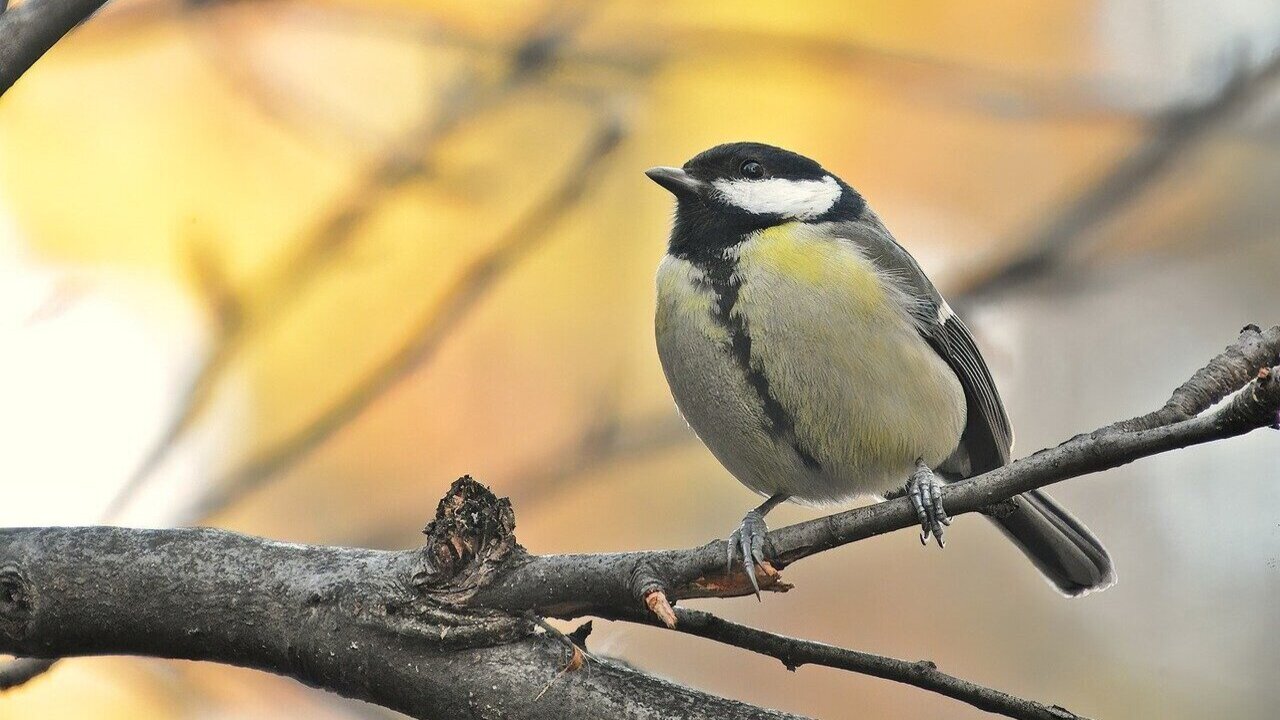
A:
x,y
799,199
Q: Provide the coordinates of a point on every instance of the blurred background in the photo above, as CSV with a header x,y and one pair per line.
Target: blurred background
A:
x,y
290,267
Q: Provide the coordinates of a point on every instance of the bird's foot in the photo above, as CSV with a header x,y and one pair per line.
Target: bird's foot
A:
x,y
749,539
926,497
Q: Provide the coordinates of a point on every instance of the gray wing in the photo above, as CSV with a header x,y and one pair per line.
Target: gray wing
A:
x,y
988,436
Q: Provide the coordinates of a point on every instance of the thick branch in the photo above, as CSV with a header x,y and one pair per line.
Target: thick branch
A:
x,y
530,60
277,607
29,30
443,630
358,622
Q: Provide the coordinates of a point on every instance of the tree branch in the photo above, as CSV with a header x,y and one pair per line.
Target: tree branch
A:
x,y
287,280
1173,134
430,633
315,613
1231,369
438,630
429,331
29,30
20,670
923,674
361,623
611,584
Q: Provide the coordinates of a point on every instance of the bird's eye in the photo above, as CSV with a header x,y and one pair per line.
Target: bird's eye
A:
x,y
752,169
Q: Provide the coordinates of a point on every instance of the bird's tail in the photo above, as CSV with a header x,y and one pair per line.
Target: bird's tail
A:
x,y
1060,546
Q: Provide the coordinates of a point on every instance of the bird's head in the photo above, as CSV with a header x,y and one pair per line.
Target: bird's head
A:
x,y
734,189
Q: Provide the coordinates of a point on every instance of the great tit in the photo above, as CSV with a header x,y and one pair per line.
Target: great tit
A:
x,y
818,363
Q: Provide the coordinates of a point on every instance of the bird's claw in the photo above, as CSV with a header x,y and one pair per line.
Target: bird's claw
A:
x,y
749,539
926,497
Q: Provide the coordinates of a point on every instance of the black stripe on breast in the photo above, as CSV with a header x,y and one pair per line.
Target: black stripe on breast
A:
x,y
779,424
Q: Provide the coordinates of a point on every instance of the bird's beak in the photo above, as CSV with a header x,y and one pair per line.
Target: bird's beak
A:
x,y
680,183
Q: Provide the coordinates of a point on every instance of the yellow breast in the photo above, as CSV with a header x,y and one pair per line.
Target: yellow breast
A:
x,y
685,301
842,355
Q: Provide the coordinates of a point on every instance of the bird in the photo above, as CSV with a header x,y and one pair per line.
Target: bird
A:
x,y
818,363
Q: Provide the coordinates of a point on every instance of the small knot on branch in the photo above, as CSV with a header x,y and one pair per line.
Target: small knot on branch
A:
x,y
1268,382
472,535
653,593
658,604
17,601
1002,509
926,666
1258,405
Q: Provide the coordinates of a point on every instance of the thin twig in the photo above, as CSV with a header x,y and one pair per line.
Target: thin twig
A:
x,y
429,332
408,158
794,652
617,584
1253,407
286,280
1241,362
473,535
577,654
1173,135
289,277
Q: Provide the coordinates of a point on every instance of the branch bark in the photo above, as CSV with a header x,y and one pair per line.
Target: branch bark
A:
x,y
355,622
18,671
604,584
29,30
449,630
793,653
287,280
